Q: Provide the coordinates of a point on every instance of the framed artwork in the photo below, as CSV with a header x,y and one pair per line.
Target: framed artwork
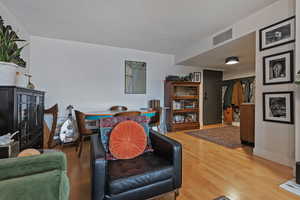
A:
x,y
197,77
278,107
278,68
277,34
135,77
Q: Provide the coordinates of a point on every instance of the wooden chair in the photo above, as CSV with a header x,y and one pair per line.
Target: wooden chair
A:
x,y
155,120
49,134
128,114
118,108
83,131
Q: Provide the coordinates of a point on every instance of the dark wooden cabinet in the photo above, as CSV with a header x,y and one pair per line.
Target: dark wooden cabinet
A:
x,y
183,100
22,110
247,117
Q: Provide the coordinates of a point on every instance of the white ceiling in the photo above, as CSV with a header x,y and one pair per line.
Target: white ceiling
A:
x,y
243,47
164,26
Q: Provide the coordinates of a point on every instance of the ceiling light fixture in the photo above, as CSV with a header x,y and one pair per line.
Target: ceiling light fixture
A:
x,y
232,60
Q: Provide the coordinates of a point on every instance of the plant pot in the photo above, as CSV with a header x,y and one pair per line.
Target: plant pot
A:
x,y
8,73
21,80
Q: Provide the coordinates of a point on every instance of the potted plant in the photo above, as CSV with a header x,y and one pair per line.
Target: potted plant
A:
x,y
9,54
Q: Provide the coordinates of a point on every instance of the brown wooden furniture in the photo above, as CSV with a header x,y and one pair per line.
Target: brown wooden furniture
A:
x,y
49,140
128,114
228,116
83,131
155,120
22,110
247,115
118,108
154,103
183,100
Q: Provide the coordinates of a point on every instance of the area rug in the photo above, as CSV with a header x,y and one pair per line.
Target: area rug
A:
x,y
228,136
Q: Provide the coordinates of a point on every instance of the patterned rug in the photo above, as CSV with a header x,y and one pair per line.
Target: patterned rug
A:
x,y
228,136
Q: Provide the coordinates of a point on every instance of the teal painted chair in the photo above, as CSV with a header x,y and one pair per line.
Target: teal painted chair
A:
x,y
42,177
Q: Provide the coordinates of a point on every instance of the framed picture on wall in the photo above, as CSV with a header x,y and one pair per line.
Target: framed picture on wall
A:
x,y
277,34
135,77
278,107
278,68
197,77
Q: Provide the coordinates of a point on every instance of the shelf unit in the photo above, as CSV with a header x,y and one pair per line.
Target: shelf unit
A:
x,y
22,110
183,99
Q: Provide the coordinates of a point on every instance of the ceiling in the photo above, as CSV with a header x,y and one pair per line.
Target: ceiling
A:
x,y
243,47
164,26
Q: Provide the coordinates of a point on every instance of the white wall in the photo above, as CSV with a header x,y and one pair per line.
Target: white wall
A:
x,y
241,28
274,141
10,19
91,77
297,96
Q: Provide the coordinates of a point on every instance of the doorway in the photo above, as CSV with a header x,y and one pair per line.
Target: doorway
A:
x,y
212,97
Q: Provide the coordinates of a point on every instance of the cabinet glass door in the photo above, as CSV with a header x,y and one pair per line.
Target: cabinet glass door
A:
x,y
23,104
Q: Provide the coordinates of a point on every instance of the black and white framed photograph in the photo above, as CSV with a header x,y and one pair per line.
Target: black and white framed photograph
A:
x,y
197,77
278,107
278,68
277,34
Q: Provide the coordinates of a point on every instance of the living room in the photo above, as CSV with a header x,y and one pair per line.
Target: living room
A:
x,y
85,54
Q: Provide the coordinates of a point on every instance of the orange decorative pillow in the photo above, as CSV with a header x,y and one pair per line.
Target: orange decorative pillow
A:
x,y
127,140
29,152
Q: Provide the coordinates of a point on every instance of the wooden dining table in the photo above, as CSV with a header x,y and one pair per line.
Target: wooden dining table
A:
x,y
96,115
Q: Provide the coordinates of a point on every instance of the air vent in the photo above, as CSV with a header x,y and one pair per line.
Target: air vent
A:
x,y
227,35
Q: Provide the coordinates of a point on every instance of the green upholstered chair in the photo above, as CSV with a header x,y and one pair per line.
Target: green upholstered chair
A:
x,y
41,177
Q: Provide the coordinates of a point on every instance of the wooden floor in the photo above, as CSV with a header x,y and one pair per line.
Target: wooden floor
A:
x,y
209,171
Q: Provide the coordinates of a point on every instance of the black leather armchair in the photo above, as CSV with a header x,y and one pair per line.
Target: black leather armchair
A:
x,y
144,177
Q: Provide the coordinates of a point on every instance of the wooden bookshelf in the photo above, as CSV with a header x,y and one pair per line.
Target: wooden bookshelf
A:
x,y
186,110
183,99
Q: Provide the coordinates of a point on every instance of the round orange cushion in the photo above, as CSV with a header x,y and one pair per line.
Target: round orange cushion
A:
x,y
127,140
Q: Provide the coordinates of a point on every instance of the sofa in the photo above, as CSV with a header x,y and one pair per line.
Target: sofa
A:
x,y
147,176
41,177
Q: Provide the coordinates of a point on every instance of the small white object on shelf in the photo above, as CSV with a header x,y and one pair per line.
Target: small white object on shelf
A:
x,y
7,139
21,80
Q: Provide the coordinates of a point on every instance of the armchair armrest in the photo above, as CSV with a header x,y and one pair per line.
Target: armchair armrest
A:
x,y
98,167
170,150
25,177
18,167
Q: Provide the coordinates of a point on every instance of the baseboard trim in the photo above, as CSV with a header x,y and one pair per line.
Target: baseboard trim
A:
x,y
278,158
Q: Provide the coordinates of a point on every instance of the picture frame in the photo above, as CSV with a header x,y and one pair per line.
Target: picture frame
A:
x,y
278,68
278,107
135,77
197,77
277,34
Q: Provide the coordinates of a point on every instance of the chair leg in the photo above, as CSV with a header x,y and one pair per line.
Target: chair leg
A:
x,y
176,194
80,146
77,143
